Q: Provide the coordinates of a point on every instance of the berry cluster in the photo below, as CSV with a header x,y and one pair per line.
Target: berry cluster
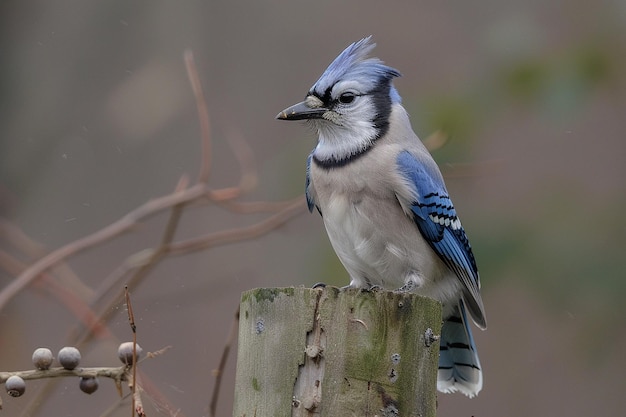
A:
x,y
69,358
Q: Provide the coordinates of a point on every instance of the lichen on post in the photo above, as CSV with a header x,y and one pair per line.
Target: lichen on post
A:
x,y
330,352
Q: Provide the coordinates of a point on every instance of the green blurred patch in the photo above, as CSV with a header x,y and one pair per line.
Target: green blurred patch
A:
x,y
592,64
558,84
453,116
567,252
526,80
497,248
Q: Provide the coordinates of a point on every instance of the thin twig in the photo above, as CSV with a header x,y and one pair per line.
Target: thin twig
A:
x,y
130,220
203,116
116,373
20,240
144,258
133,328
138,403
34,250
220,369
245,157
236,235
251,207
157,353
67,297
119,227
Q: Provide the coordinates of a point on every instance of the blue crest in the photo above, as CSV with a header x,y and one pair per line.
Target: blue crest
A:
x,y
353,63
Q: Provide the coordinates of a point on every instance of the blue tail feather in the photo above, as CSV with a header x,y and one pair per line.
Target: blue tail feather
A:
x,y
459,366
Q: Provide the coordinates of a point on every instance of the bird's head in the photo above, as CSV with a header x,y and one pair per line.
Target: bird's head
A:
x,y
349,105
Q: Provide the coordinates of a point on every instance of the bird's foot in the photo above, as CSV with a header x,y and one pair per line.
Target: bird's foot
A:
x,y
410,286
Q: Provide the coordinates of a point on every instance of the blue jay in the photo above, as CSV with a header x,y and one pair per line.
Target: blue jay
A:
x,y
385,205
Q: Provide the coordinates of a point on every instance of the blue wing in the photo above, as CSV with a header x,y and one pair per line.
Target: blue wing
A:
x,y
310,201
436,219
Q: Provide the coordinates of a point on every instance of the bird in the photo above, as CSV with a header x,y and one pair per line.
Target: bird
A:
x,y
385,206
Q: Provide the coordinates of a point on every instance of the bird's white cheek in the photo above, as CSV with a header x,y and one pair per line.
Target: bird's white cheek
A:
x,y
333,117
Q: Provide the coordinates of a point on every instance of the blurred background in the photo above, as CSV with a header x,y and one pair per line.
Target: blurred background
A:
x,y
98,117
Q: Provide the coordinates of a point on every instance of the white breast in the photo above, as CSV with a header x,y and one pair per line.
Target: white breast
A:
x,y
377,242
379,245
369,256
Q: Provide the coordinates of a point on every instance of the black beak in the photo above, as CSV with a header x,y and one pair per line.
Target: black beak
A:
x,y
301,111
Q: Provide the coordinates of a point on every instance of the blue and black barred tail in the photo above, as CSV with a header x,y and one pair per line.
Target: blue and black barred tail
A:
x,y
459,367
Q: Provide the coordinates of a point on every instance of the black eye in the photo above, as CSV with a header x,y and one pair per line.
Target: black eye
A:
x,y
347,98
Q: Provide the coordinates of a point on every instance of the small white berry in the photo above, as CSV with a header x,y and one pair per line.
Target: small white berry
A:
x,y
42,358
69,357
125,352
15,386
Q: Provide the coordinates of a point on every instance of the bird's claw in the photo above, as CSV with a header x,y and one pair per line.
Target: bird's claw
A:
x,y
408,287
373,288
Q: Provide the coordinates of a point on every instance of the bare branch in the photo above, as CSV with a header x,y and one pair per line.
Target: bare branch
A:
x,y
119,227
62,282
235,235
245,157
138,404
66,295
203,116
34,250
136,400
220,369
145,259
119,373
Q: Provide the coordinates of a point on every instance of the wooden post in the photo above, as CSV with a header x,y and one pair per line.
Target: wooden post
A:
x,y
326,352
